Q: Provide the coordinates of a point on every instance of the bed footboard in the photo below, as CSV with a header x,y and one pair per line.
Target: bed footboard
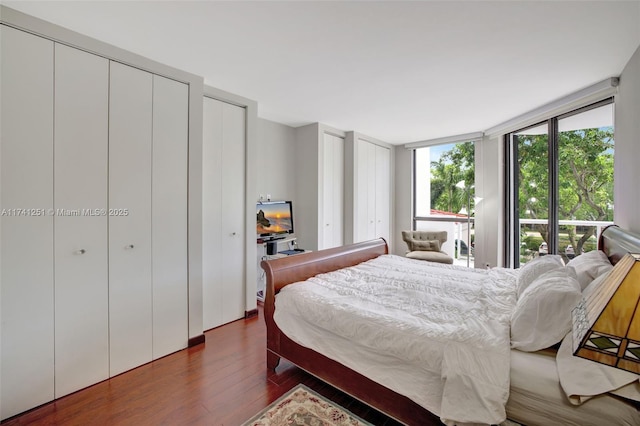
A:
x,y
291,269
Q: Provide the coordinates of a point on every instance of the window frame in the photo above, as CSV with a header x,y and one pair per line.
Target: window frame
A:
x,y
511,205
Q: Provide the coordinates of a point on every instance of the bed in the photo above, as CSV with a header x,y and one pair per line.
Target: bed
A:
x,y
535,396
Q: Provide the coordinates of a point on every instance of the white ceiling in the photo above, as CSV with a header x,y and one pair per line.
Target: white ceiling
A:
x,y
397,71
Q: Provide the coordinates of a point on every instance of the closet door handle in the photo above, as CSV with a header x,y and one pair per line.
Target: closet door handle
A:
x,y
79,252
233,233
128,247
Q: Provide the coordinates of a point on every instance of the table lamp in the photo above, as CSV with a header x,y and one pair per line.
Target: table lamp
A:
x,y
606,325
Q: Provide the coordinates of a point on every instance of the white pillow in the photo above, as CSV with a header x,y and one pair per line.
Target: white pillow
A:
x,y
542,316
538,266
589,266
594,285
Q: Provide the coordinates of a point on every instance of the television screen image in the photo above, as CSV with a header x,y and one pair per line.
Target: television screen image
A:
x,y
274,218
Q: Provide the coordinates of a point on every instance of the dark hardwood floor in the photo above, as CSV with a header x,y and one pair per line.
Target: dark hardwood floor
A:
x,y
223,382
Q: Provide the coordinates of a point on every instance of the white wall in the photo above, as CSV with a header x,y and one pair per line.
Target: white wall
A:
x,y
488,210
626,194
276,156
403,194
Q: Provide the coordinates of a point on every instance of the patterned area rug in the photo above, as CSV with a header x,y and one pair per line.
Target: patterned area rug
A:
x,y
302,406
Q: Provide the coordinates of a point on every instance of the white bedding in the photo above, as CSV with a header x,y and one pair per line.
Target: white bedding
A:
x,y
537,399
447,326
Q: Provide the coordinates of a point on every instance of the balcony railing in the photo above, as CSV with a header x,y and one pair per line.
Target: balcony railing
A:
x,y
461,229
535,246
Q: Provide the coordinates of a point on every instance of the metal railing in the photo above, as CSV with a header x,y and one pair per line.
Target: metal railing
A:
x,y
460,223
527,252
598,224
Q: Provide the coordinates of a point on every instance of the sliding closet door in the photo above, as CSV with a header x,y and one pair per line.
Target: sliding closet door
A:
x,y
223,213
169,217
332,191
212,248
26,237
130,294
382,192
233,216
327,182
81,273
371,190
361,216
366,195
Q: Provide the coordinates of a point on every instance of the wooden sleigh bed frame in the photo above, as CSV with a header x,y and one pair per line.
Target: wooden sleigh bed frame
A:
x,y
279,272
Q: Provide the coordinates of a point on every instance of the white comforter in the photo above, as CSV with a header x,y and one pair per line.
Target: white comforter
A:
x,y
440,319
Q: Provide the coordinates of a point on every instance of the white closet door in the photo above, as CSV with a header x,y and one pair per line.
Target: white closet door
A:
x,y
212,204
332,191
328,186
26,238
383,182
338,192
362,187
169,217
223,216
130,293
233,216
371,190
81,273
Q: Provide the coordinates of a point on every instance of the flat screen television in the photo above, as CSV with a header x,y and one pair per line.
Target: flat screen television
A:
x,y
274,219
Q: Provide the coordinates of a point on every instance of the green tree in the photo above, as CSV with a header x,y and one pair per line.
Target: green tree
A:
x,y
533,179
454,166
585,179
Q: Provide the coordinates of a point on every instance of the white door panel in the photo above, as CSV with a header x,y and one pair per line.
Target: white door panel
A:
x,y
169,217
383,179
338,192
130,292
327,188
26,240
371,190
233,218
223,213
81,273
212,248
362,185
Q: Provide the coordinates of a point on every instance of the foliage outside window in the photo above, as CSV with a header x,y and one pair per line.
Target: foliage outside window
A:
x,y
584,186
455,165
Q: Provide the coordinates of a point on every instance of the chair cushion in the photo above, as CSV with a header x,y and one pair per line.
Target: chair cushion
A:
x,y
431,256
429,245
412,237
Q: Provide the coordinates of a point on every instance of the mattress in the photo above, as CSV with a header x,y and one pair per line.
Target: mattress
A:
x,y
438,334
537,399
535,396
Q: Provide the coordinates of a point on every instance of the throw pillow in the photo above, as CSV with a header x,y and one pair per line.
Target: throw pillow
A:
x,y
426,245
542,316
535,268
589,266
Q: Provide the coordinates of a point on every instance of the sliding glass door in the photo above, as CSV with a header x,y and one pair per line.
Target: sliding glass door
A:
x,y
531,228
562,179
585,173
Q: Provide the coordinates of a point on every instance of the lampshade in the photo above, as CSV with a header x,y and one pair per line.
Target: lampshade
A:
x,y
606,325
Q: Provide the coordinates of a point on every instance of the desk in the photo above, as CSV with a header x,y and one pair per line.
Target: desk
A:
x,y
284,245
